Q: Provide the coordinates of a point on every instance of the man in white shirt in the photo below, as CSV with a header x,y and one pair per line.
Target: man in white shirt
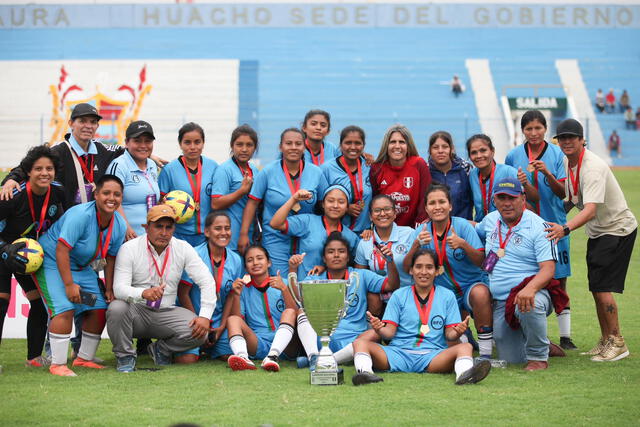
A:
x,y
148,270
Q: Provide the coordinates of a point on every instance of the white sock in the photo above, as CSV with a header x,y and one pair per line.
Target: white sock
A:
x,y
363,362
564,323
88,345
281,339
463,338
307,335
344,355
485,342
463,364
239,346
59,348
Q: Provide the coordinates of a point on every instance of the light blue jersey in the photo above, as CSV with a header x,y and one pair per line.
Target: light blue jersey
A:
x,y
527,246
335,173
401,242
312,234
174,177
227,180
272,188
262,309
329,151
550,207
501,172
138,185
460,272
355,321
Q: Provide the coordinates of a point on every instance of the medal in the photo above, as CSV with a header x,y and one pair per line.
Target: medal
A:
x,y
501,252
196,187
531,168
574,200
440,270
99,261
295,185
296,208
423,312
98,264
424,329
574,180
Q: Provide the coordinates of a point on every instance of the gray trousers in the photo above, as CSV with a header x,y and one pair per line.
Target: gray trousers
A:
x,y
170,326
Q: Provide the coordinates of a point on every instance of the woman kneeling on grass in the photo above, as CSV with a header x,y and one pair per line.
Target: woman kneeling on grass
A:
x,y
419,320
263,317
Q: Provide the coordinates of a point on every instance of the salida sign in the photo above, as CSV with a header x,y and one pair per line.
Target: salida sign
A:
x,y
538,103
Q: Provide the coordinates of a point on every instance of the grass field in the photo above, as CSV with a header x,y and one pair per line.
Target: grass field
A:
x,y
573,390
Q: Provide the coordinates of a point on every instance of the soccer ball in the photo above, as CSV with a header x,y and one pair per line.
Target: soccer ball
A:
x,y
182,203
32,252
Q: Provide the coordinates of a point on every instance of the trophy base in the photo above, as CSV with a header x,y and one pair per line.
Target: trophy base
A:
x,y
326,377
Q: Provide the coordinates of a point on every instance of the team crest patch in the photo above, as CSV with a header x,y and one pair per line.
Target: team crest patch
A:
x,y
135,178
408,181
280,305
52,210
400,249
437,322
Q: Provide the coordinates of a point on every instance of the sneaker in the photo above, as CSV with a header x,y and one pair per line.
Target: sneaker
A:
x,y
126,364
157,356
567,344
83,363
270,363
61,371
239,363
96,359
556,351
595,350
477,373
38,362
362,378
614,349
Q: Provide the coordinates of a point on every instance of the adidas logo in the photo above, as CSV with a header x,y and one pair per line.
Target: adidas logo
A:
x,y
384,182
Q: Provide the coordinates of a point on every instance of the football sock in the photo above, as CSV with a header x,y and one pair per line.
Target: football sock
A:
x,y
363,362
239,346
564,322
88,345
462,364
36,328
281,339
59,348
307,335
485,340
4,306
344,355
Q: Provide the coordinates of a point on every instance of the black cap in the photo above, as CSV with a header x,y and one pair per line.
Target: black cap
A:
x,y
84,109
569,127
138,128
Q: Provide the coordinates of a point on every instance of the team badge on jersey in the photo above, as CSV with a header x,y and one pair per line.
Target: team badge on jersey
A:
x,y
408,181
52,210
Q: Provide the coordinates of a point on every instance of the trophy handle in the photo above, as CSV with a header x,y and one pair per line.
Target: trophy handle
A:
x,y
354,280
294,288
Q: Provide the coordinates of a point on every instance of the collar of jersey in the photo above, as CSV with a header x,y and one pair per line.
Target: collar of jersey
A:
x,y
79,151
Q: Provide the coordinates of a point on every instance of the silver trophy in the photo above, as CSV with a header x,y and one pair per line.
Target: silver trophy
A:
x,y
325,302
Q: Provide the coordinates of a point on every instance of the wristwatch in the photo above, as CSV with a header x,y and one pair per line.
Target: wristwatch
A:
x,y
566,229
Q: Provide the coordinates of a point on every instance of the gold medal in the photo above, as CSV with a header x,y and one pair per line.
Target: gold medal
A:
x,y
440,270
424,329
296,208
501,252
574,200
531,168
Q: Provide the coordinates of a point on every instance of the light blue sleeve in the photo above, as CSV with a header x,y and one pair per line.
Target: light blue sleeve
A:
x,y
299,225
115,168
545,249
393,310
165,183
373,282
481,229
260,184
221,182
453,312
74,227
467,232
361,257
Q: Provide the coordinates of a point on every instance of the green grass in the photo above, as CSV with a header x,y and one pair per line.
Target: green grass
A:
x,y
573,390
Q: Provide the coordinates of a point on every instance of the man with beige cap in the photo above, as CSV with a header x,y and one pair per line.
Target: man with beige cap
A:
x,y
148,270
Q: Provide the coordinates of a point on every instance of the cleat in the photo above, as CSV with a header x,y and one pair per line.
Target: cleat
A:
x,y
96,359
536,365
270,363
38,362
83,363
475,374
157,356
556,351
595,350
239,363
567,344
363,378
126,364
61,371
614,349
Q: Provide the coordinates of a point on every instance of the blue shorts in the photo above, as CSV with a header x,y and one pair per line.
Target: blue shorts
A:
x,y
53,292
264,344
463,302
193,239
340,339
563,266
409,360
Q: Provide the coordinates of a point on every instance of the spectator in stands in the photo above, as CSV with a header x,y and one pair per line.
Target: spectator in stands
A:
x,y
600,100
456,86
614,144
630,118
624,101
611,102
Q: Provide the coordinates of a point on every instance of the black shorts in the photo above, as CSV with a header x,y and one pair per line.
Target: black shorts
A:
x,y
608,259
25,281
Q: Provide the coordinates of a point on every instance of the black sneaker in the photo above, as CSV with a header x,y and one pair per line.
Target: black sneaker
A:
x,y
365,378
477,373
567,344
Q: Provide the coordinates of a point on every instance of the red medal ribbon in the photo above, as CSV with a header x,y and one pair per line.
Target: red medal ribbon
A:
x,y
503,244
346,276
575,179
534,174
357,190
103,248
423,311
86,165
326,226
377,256
43,211
220,269
261,286
295,185
155,264
244,172
486,194
195,187
265,301
314,158
441,252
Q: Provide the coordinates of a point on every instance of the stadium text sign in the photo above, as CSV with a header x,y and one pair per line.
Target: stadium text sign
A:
x,y
319,15
538,103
